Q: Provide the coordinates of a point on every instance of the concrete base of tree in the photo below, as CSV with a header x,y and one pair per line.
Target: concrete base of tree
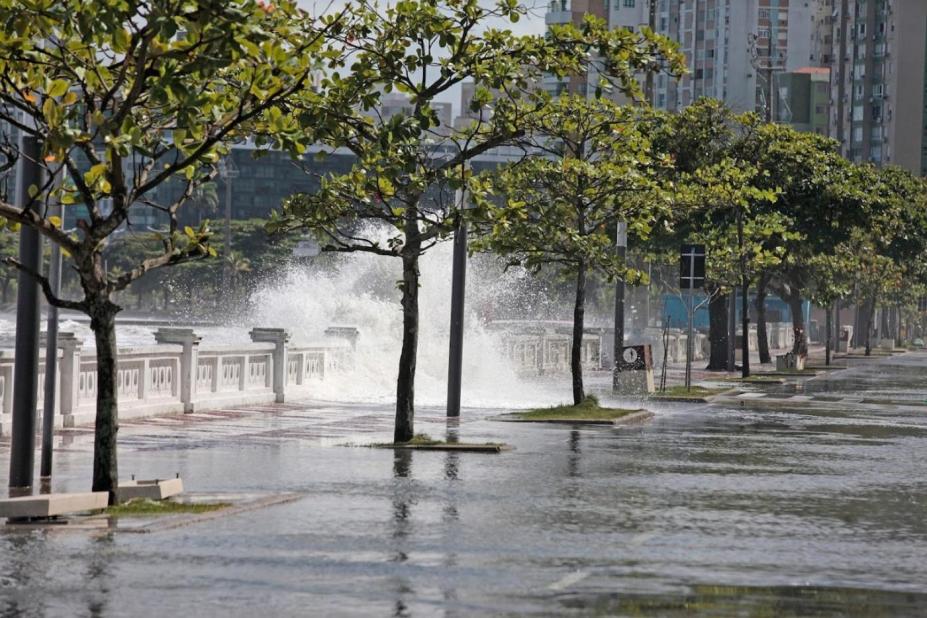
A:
x,y
154,489
44,506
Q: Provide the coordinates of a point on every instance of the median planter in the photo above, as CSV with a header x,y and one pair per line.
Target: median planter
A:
x,y
694,394
155,489
589,412
421,442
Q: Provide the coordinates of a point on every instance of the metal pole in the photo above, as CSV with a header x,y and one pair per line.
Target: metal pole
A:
x,y
732,330
649,90
647,291
689,348
227,267
458,294
666,328
744,302
51,363
690,312
25,366
837,333
769,78
621,246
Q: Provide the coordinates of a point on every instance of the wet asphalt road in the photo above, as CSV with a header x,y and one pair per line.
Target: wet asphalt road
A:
x,y
704,511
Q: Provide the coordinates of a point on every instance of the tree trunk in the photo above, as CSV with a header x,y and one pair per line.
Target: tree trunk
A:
x,y
762,337
105,470
828,333
717,332
576,353
405,384
800,346
870,313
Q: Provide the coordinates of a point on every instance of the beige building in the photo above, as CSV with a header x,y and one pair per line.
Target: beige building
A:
x,y
878,81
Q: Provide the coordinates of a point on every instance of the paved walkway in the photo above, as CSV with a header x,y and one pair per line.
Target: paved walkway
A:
x,y
734,510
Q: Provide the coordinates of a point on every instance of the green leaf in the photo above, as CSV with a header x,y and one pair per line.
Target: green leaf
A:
x,y
94,173
57,88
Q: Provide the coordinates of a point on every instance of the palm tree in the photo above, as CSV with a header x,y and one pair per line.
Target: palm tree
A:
x,y
205,200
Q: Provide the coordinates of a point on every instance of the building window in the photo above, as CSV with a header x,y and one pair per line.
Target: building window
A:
x,y
629,3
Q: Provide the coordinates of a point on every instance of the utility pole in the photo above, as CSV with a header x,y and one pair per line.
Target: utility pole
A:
x,y
458,297
649,90
26,362
768,69
771,95
621,247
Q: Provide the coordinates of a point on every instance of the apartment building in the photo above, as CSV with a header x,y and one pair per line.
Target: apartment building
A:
x,y
878,81
731,46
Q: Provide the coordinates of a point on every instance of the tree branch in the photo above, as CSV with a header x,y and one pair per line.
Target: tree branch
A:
x,y
47,288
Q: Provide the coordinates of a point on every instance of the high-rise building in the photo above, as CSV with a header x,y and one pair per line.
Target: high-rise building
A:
x,y
878,81
730,45
572,12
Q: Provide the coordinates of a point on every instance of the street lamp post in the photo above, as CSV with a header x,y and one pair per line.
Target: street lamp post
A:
x,y
621,247
227,171
458,298
732,330
25,364
744,306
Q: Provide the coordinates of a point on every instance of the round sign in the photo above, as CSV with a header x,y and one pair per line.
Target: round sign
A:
x,y
630,355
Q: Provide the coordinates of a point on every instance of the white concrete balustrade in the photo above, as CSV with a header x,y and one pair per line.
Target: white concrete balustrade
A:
x,y
180,375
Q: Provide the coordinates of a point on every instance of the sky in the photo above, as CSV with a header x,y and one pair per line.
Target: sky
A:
x,y
532,23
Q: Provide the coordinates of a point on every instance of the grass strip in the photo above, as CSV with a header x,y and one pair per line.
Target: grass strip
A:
x,y
144,507
425,442
588,410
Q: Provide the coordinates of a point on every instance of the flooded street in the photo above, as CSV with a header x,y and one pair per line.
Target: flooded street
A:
x,y
723,510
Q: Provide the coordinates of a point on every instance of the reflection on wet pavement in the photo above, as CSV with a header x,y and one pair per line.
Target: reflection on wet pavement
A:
x,y
713,510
